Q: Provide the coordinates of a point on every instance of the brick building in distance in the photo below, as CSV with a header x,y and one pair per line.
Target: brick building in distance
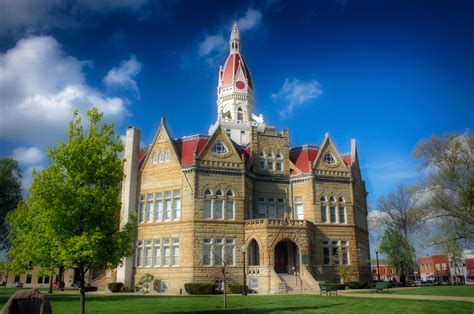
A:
x,y
387,272
242,191
434,268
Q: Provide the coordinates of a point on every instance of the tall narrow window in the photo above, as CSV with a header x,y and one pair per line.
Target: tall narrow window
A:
x,y
299,208
261,161
217,251
167,156
342,211
280,212
167,205
148,252
207,204
149,207
229,252
218,209
240,114
229,209
176,205
271,208
158,206
326,253
157,253
324,215
332,211
261,207
206,252
166,252
175,252
138,254
141,208
155,158
344,252
161,157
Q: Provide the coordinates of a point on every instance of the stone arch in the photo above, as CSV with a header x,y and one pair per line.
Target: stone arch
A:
x,y
287,255
206,188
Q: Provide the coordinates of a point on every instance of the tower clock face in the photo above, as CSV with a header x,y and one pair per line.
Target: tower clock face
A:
x,y
240,85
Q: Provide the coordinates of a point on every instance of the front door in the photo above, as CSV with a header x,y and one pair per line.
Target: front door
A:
x,y
281,257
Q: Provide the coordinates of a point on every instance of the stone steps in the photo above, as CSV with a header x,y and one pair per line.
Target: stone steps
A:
x,y
294,285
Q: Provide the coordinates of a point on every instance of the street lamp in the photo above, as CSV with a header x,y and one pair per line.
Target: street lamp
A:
x,y
244,283
378,267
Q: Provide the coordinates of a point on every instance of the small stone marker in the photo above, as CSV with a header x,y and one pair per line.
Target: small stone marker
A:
x,y
27,302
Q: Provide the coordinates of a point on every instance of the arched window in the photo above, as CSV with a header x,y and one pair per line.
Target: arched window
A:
x,y
218,209
207,204
240,114
219,192
167,155
324,209
270,164
342,210
161,157
261,161
155,158
331,199
229,205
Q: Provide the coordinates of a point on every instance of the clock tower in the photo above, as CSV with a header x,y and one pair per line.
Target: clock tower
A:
x,y
235,95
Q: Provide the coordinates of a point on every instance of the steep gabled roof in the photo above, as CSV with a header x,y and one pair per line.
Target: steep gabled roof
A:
x,y
304,156
186,146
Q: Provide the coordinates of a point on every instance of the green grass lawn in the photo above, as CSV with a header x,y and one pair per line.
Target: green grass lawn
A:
x,y
458,291
68,302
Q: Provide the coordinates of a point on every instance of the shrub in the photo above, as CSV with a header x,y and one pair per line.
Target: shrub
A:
x,y
199,287
126,289
338,286
90,288
357,285
115,286
235,288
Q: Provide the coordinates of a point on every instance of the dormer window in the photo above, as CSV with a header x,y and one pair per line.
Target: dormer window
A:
x,y
329,158
219,149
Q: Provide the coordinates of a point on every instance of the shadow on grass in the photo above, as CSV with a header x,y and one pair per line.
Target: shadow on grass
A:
x,y
251,310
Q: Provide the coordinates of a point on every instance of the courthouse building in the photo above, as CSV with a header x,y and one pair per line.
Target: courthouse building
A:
x,y
242,192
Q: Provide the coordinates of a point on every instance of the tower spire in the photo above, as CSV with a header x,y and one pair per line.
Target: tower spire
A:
x,y
234,41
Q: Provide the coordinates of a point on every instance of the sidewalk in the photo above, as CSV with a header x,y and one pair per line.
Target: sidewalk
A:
x,y
350,293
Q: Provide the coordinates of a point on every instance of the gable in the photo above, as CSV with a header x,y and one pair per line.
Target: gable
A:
x,y
220,152
162,152
328,160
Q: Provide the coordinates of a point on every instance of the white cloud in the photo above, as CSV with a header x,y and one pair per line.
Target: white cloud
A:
x,y
214,46
123,75
28,156
41,86
31,16
296,93
250,21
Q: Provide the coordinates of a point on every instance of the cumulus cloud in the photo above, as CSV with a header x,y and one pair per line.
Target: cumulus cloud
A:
x,y
250,20
41,86
296,93
28,155
214,46
32,15
123,75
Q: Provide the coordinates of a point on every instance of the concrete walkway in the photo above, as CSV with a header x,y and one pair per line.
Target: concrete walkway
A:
x,y
351,293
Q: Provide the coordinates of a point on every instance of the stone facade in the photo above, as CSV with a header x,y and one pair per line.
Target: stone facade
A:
x,y
203,201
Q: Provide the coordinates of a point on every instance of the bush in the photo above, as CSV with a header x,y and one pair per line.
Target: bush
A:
x,y
235,288
126,289
115,286
338,286
199,288
357,285
90,288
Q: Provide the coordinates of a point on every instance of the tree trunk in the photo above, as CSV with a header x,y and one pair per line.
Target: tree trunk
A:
x,y
51,284
225,290
61,278
81,289
6,280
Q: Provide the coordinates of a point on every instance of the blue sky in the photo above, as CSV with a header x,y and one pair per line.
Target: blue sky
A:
x,y
387,73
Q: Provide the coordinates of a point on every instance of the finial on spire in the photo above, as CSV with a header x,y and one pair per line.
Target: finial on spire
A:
x,y
234,40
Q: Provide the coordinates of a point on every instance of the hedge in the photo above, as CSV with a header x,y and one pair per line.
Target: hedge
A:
x,y
199,288
235,288
115,286
357,285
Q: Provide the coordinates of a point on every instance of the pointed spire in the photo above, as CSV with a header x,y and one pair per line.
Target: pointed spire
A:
x,y
234,40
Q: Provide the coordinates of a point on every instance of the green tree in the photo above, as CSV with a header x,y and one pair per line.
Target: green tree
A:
x,y
449,161
397,250
10,194
75,204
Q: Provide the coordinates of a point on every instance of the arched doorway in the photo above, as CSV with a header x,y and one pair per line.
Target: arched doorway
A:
x,y
253,253
287,257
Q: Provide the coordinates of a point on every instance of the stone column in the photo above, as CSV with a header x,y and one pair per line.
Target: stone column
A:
x,y
129,197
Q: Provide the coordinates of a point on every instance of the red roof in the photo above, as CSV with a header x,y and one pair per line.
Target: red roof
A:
x,y
302,156
186,147
347,160
234,61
